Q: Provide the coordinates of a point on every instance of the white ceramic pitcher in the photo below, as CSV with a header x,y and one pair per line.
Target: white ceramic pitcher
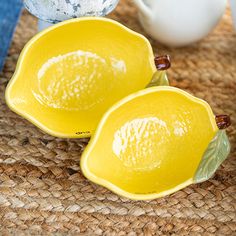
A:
x,y
233,7
180,22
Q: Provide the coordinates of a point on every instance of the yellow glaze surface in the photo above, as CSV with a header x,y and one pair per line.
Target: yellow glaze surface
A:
x,y
150,143
70,74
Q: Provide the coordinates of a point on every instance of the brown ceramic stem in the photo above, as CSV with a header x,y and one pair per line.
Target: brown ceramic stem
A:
x,y
223,121
162,62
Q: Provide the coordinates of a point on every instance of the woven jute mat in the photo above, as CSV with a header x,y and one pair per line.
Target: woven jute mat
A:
x,y
42,190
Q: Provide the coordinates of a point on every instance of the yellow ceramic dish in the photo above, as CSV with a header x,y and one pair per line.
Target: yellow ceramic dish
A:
x,y
155,142
68,75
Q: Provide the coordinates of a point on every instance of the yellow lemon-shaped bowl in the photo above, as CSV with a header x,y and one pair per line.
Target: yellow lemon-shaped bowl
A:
x,y
155,142
68,75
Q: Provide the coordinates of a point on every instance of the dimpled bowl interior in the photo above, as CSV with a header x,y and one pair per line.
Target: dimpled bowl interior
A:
x,y
150,143
68,75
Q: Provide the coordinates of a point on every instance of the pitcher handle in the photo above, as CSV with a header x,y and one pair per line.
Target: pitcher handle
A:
x,y
143,8
233,10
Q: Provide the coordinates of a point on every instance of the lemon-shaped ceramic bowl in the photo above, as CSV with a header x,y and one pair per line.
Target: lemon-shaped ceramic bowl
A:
x,y
68,75
156,142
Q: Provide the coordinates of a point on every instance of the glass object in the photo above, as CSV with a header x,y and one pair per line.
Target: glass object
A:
x,y
54,11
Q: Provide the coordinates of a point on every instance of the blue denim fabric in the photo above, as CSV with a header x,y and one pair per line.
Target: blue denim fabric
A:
x,y
9,14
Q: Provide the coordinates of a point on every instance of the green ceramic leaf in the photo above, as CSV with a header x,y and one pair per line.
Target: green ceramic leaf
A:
x,y
159,79
216,153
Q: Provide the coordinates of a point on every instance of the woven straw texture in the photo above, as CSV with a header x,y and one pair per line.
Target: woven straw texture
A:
x,y
42,190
